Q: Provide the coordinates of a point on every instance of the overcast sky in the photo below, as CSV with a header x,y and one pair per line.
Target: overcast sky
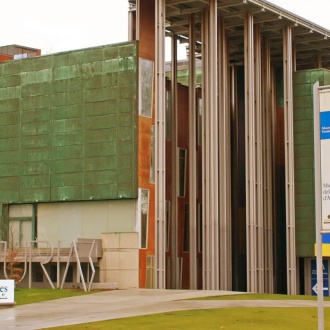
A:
x,y
60,25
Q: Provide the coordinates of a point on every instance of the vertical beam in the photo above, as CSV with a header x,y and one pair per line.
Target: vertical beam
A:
x,y
174,186
268,110
214,151
210,151
289,161
259,161
137,32
132,23
34,222
251,239
160,144
192,158
205,148
225,250
318,62
294,57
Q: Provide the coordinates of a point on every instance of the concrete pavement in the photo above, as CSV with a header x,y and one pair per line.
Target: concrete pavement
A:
x,y
123,303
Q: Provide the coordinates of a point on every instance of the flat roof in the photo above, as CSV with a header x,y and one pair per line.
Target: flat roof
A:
x,y
311,40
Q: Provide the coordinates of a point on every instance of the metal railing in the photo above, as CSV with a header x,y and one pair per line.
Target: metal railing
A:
x,y
42,252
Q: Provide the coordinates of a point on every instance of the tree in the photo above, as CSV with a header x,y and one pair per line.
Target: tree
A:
x,y
12,263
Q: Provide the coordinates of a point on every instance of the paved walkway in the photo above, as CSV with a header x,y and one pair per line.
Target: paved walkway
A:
x,y
122,303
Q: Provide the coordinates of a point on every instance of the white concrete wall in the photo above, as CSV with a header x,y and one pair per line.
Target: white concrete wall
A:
x,y
71,220
120,262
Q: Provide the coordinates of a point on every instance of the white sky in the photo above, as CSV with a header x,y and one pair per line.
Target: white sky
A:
x,y
60,25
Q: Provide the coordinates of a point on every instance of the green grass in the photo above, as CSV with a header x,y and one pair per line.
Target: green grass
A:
x,y
224,318
260,296
29,296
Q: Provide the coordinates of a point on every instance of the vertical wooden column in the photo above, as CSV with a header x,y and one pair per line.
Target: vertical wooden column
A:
x,y
192,157
289,161
174,186
225,250
210,151
268,138
250,155
160,143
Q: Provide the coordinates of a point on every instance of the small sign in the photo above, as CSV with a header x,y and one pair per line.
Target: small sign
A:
x,y
7,288
325,288
325,276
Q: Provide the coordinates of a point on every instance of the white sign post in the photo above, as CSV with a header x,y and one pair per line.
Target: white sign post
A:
x,y
7,288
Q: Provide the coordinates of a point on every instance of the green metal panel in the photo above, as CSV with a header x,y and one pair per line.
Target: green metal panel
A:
x,y
68,125
303,82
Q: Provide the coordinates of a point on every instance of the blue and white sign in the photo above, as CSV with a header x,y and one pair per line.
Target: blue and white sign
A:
x,y
7,288
325,158
325,277
325,125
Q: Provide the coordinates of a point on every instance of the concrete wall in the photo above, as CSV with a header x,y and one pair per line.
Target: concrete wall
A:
x,y
120,262
70,221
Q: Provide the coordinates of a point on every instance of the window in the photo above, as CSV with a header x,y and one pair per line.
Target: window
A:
x,y
200,228
182,172
146,78
144,203
199,109
186,229
21,225
168,224
168,115
152,156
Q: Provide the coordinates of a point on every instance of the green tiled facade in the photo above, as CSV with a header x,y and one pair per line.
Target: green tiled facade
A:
x,y
69,126
303,82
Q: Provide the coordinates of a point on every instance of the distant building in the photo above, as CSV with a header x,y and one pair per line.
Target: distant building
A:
x,y
12,52
196,175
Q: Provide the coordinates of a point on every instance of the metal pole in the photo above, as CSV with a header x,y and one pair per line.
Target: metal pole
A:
x,y
318,194
205,147
174,189
213,156
160,197
30,266
225,251
192,157
58,264
289,162
250,155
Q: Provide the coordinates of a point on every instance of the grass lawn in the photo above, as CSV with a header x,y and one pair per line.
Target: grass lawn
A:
x,y
222,318
261,296
29,296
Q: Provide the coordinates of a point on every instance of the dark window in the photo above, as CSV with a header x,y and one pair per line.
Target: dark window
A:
x,y
182,172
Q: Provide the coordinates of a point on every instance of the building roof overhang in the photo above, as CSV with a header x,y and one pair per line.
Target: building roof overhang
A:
x,y
311,41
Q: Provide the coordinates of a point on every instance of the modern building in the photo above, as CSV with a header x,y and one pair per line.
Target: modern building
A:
x,y
200,177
